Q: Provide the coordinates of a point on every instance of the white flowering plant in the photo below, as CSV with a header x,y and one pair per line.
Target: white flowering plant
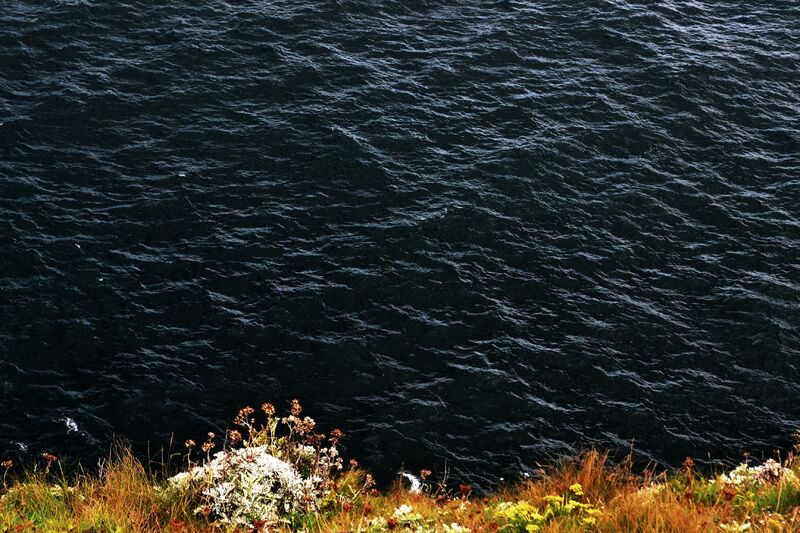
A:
x,y
770,472
265,475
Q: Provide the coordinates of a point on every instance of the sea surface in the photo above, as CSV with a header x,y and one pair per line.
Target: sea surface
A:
x,y
472,233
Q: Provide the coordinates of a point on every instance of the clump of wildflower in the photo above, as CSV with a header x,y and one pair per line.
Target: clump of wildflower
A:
x,y
405,516
249,484
524,516
519,516
770,472
733,525
280,470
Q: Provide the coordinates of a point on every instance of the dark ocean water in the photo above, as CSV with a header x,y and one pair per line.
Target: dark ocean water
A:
x,y
475,232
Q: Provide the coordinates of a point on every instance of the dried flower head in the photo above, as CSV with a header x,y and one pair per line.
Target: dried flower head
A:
x,y
268,409
369,481
190,443
176,526
336,434
353,463
49,457
242,418
305,425
211,435
296,408
315,439
234,435
207,446
688,464
425,474
8,463
728,493
464,489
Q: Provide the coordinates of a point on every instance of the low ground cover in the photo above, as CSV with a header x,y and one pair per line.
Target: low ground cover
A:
x,y
276,473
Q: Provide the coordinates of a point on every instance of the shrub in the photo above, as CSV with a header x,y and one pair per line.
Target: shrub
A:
x,y
275,471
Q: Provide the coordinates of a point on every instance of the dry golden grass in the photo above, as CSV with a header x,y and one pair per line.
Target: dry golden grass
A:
x,y
123,496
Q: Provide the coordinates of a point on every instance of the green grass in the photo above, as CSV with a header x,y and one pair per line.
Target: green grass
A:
x,y
586,493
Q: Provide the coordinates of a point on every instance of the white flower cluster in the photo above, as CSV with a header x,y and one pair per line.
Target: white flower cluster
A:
x,y
736,526
248,485
770,472
403,511
323,461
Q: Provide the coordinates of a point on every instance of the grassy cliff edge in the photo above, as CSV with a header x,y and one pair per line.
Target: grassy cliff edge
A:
x,y
281,475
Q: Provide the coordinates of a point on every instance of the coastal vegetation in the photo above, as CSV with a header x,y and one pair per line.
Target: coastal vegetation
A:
x,y
278,473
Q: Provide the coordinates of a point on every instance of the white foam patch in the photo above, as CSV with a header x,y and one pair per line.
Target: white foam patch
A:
x,y
71,425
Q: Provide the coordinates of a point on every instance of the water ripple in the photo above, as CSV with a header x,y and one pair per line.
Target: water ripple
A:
x,y
481,233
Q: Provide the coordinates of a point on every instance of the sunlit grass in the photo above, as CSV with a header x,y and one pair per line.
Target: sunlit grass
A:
x,y
586,493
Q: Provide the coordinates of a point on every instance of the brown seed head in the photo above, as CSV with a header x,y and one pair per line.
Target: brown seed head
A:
x,y
243,416
207,446
391,523
425,474
464,489
49,457
353,463
190,443
234,435
688,464
268,409
296,408
305,425
336,434
176,526
8,463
